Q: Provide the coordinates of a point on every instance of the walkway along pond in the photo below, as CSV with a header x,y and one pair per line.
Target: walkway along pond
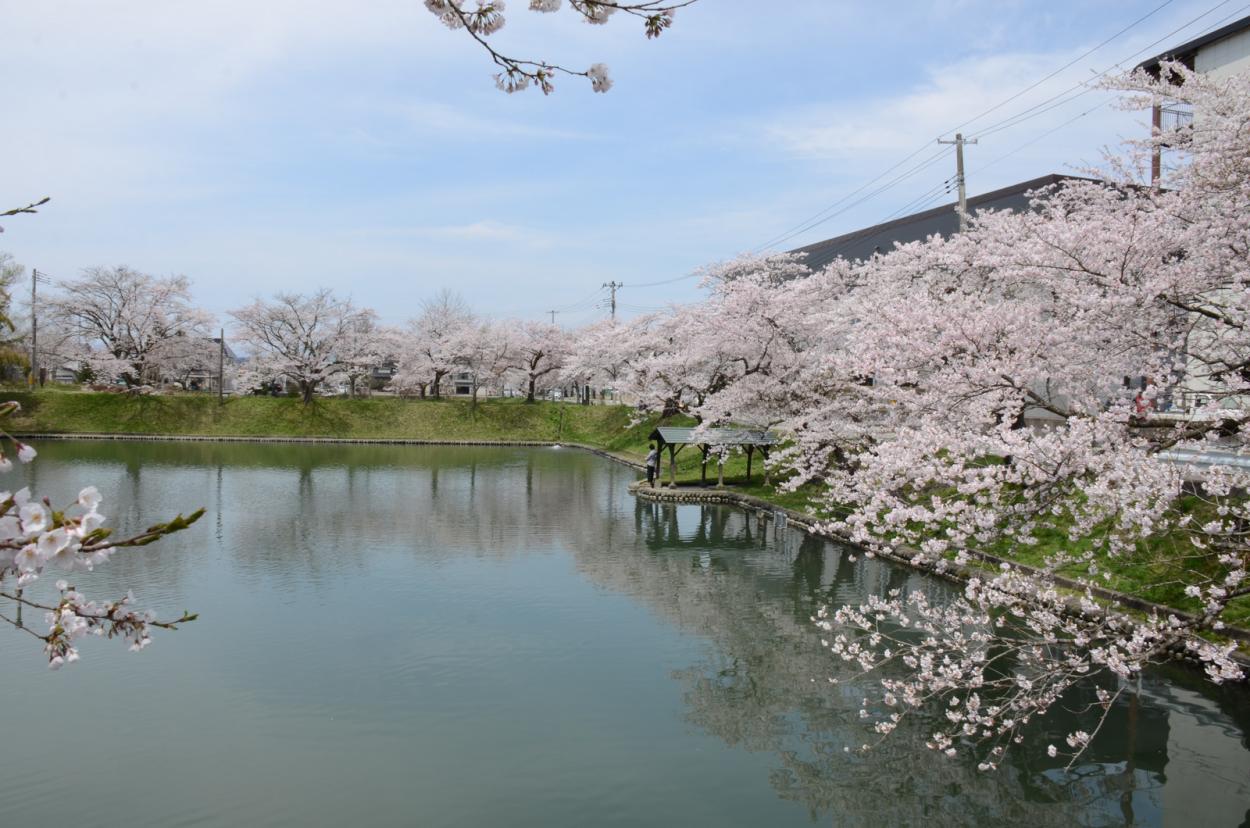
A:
x,y
469,635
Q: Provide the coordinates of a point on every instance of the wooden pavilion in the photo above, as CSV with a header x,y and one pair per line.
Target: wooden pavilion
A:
x,y
709,439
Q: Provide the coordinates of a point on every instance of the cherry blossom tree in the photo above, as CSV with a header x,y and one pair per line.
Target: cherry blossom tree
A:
x,y
691,359
126,325
366,346
487,18
966,397
305,340
487,352
1039,317
597,351
426,350
538,354
12,354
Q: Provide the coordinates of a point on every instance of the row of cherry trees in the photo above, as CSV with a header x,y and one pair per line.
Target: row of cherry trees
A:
x,y
121,325
965,396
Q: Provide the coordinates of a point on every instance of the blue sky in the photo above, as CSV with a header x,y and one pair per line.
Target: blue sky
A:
x,y
295,144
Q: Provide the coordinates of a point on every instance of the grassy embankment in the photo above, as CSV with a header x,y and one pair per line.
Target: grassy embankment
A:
x,y
1153,574
606,427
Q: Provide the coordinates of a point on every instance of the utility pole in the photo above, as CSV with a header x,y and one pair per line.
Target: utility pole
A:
x,y
35,278
553,315
34,327
959,174
221,369
1156,154
613,286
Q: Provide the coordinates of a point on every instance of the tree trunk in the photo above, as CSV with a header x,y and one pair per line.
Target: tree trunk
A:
x,y
529,397
306,390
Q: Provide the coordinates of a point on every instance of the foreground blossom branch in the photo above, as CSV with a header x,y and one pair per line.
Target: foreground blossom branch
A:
x,y
29,208
35,535
518,74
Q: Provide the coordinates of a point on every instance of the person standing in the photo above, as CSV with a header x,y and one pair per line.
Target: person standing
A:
x,y
653,463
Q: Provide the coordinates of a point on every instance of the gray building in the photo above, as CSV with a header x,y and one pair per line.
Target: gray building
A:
x,y
944,221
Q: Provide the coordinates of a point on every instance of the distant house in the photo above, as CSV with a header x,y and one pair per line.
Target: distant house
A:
x,y
380,375
204,377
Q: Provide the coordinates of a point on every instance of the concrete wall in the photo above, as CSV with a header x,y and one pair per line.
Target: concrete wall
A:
x,y
1229,56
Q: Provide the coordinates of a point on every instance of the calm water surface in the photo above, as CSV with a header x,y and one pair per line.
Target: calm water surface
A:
x,y
464,637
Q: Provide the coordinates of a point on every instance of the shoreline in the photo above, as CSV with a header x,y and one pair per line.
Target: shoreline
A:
x,y
905,557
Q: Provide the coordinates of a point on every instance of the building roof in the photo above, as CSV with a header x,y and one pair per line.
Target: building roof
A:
x,y
714,436
1187,51
230,354
944,220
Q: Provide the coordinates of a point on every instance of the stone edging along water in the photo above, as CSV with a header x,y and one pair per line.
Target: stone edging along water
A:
x,y
906,556
380,441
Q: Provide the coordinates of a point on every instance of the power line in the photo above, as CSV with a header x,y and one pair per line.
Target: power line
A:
x,y
914,205
789,233
821,217
667,281
923,165
1045,134
1068,65
1054,101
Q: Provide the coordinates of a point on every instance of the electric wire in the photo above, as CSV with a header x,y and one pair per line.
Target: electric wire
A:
x,y
1067,65
665,281
1054,101
923,165
1013,120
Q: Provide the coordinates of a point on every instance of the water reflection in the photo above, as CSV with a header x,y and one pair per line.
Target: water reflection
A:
x,y
722,573
479,558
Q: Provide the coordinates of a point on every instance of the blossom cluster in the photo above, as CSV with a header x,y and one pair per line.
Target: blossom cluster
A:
x,y
487,17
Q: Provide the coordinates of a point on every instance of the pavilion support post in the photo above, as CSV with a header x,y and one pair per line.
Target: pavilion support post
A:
x,y
750,451
672,466
764,451
720,469
703,473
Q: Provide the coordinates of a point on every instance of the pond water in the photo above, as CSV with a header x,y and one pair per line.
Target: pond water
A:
x,y
470,636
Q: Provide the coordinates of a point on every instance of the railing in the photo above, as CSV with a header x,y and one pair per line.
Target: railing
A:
x,y
1175,116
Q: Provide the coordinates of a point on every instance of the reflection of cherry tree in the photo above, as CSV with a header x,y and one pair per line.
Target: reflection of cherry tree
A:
x,y
714,572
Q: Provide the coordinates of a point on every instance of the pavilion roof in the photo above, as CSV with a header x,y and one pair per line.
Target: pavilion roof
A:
x,y
714,436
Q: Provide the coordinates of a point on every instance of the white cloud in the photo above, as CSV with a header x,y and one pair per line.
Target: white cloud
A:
x,y
949,96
